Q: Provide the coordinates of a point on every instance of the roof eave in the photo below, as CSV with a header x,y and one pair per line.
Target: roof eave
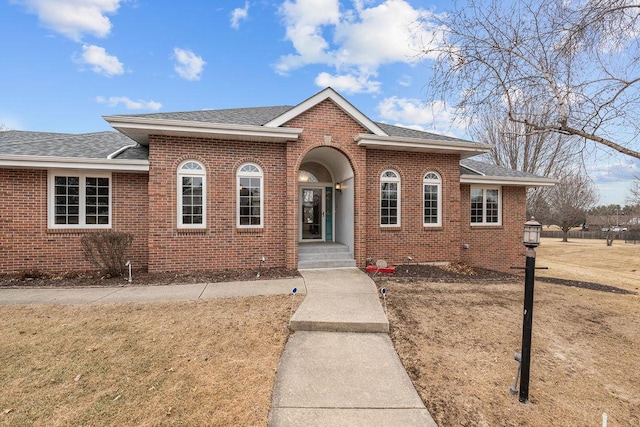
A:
x,y
43,162
463,148
507,180
139,129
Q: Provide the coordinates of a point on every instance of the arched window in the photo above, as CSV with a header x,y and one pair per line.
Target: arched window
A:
x,y
250,203
389,199
192,195
432,200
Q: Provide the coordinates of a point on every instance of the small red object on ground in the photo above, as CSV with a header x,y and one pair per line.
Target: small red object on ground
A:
x,y
389,270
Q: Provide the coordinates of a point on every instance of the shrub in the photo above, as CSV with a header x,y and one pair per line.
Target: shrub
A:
x,y
107,250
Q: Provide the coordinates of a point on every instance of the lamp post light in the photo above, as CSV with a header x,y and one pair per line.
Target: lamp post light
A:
x,y
531,241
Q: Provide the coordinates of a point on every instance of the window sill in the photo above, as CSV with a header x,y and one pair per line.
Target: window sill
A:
x,y
78,231
191,231
250,230
487,226
391,229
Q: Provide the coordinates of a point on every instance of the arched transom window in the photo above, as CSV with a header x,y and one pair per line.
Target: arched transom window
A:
x,y
432,200
192,195
250,202
389,199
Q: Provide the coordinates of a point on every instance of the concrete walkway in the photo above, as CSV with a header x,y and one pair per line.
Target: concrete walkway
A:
x,y
339,368
130,293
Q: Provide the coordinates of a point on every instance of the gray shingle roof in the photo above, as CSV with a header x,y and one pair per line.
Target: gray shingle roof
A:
x,y
402,132
97,145
256,116
474,167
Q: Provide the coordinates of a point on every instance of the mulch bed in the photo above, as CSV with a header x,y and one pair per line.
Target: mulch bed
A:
x,y
37,279
463,273
409,273
587,285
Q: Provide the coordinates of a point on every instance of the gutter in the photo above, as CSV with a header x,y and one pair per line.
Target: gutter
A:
x,y
43,162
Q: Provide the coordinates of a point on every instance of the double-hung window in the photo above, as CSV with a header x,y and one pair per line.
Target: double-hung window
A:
x,y
250,203
486,206
79,199
389,199
432,200
192,195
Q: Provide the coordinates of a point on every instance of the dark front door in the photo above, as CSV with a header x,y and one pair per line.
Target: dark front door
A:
x,y
312,214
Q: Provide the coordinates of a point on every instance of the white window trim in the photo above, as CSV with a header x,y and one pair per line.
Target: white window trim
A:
x,y
484,222
200,173
438,183
239,175
82,175
399,182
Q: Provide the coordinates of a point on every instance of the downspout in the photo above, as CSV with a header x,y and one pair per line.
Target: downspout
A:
x,y
121,150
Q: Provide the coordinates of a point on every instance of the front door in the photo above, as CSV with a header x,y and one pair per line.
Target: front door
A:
x,y
312,214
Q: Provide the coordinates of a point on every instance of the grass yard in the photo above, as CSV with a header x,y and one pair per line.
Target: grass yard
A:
x,y
457,342
213,362
591,260
209,362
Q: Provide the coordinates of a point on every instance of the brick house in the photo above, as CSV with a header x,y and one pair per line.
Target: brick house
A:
x,y
220,189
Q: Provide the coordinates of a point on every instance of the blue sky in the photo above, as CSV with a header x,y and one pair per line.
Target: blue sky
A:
x,y
66,63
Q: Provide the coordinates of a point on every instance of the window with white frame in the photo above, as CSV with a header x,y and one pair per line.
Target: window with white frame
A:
x,y
192,195
486,206
79,199
250,203
432,200
389,199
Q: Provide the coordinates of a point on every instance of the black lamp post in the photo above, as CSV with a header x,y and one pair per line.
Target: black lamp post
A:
x,y
531,241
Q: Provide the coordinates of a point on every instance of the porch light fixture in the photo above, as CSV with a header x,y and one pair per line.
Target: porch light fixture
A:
x,y
339,187
531,240
532,233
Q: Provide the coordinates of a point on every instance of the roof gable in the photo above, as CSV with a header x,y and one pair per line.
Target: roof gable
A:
x,y
337,99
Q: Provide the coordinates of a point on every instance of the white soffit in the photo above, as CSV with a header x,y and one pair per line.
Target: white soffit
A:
x,y
139,129
341,102
37,162
464,149
507,180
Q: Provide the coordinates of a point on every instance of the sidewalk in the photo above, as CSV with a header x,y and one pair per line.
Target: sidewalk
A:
x,y
134,293
339,368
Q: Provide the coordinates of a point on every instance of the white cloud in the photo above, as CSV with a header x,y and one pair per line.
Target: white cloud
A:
x,y
74,18
189,66
615,171
416,114
238,15
355,42
100,61
348,83
114,101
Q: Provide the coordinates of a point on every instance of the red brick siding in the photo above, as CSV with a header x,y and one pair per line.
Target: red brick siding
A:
x,y
26,243
495,247
221,245
411,238
326,119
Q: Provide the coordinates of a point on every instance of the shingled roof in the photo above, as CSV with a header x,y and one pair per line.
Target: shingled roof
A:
x,y
259,116
98,145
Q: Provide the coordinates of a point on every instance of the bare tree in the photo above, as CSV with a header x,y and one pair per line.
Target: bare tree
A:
x,y
569,201
634,193
575,62
520,147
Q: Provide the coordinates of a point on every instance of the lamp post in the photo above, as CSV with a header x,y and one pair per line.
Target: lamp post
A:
x,y
531,241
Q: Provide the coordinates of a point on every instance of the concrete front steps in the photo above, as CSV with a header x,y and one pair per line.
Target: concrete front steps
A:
x,y
339,300
324,255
